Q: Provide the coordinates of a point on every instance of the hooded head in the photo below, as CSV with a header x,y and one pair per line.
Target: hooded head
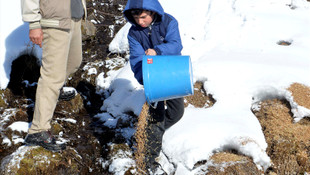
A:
x,y
150,5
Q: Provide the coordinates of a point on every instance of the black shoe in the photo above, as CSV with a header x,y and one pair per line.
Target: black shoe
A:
x,y
67,93
155,169
44,139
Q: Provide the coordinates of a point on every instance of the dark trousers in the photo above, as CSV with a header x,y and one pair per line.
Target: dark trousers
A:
x,y
161,119
169,116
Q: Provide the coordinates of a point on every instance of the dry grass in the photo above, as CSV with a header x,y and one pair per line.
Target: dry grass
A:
x,y
301,94
288,142
226,157
200,99
141,137
229,163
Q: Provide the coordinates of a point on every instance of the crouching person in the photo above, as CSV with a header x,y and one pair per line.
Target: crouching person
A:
x,y
154,32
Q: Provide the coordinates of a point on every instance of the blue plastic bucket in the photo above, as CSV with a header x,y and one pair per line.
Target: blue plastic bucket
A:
x,y
167,77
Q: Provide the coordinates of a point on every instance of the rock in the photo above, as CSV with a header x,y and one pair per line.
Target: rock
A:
x,y
88,30
36,160
3,99
73,106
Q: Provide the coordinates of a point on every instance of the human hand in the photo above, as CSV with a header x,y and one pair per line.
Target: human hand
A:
x,y
150,52
36,36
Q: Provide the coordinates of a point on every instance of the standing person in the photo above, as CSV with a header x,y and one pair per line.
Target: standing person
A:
x,y
54,25
154,32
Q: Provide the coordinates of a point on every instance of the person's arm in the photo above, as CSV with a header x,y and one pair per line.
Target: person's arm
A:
x,y
31,14
173,44
136,55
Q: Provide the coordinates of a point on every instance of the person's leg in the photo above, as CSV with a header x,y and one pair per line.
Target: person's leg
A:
x,y
75,50
74,58
154,131
161,119
53,74
174,111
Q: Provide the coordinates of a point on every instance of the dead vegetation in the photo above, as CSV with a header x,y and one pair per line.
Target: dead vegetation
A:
x,y
141,137
229,163
288,142
200,99
301,94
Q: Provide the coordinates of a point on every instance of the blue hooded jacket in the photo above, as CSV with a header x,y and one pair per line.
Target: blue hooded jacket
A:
x,y
163,35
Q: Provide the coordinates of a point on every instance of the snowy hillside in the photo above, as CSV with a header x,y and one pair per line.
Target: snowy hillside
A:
x,y
243,51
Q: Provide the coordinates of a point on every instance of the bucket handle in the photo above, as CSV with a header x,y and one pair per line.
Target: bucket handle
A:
x,y
155,104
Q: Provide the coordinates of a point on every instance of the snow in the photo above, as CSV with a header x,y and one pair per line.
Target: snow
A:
x,y
14,39
19,126
235,53
120,43
14,159
67,120
234,50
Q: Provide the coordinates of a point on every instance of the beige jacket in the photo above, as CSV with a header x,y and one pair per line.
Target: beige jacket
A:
x,y
48,13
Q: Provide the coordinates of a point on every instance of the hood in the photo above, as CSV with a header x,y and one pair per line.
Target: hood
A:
x,y
151,5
